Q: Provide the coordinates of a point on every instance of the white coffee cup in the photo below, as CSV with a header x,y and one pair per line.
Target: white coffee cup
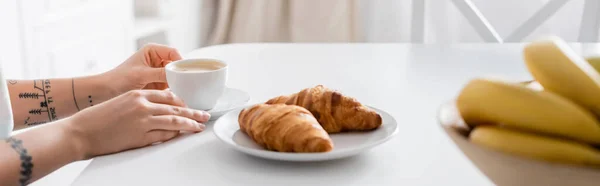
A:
x,y
199,82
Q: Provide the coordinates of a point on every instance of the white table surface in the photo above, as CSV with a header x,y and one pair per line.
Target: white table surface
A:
x,y
408,81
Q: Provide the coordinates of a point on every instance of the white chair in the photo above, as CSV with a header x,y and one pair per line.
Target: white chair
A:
x,y
589,29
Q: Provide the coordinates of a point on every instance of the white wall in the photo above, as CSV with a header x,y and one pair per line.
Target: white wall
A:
x,y
186,33
10,43
49,39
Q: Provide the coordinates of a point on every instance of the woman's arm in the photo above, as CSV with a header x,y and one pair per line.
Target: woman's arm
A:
x,y
135,119
36,102
129,120
33,154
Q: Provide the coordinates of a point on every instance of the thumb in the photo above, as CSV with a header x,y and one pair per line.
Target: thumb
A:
x,y
155,75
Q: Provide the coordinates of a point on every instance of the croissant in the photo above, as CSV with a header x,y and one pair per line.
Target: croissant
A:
x,y
334,111
284,128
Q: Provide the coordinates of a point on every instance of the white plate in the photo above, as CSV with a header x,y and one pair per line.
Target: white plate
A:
x,y
227,130
231,99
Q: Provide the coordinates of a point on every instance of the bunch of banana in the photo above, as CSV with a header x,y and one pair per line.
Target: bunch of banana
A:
x,y
557,122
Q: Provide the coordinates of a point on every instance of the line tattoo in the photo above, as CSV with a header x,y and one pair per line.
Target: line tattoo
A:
x,y
33,123
12,82
26,164
73,88
36,123
90,100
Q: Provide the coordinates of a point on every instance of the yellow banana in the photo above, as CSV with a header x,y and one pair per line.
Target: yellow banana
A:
x,y
558,68
535,146
485,101
594,61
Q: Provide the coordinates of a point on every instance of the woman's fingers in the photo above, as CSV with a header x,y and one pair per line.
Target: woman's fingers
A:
x,y
163,97
197,115
160,53
160,136
157,57
176,123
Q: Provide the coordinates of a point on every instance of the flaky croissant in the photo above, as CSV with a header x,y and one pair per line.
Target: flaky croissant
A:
x,y
334,111
284,128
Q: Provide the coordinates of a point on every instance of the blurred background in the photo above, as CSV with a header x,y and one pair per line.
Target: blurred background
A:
x,y
64,38
61,38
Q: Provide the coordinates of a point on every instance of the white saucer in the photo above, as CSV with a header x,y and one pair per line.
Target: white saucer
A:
x,y
231,99
227,130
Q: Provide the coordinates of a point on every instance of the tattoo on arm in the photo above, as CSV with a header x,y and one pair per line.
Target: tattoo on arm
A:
x,y
41,91
29,95
12,82
26,159
73,88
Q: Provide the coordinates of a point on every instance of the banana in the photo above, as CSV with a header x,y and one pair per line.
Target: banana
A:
x,y
559,69
535,146
485,101
594,61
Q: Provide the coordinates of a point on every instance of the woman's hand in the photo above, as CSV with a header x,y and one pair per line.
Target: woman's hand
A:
x,y
143,70
135,119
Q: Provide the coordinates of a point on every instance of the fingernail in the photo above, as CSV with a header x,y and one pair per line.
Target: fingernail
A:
x,y
205,116
201,126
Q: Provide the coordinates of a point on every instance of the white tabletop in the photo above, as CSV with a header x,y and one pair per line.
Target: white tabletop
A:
x,y
408,81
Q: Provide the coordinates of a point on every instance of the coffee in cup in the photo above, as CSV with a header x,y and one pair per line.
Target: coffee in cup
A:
x,y
198,82
203,66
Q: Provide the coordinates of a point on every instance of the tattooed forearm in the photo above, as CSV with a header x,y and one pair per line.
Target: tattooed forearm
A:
x,y
26,159
47,100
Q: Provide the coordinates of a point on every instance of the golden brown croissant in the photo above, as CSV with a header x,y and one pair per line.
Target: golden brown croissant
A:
x,y
284,128
334,111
